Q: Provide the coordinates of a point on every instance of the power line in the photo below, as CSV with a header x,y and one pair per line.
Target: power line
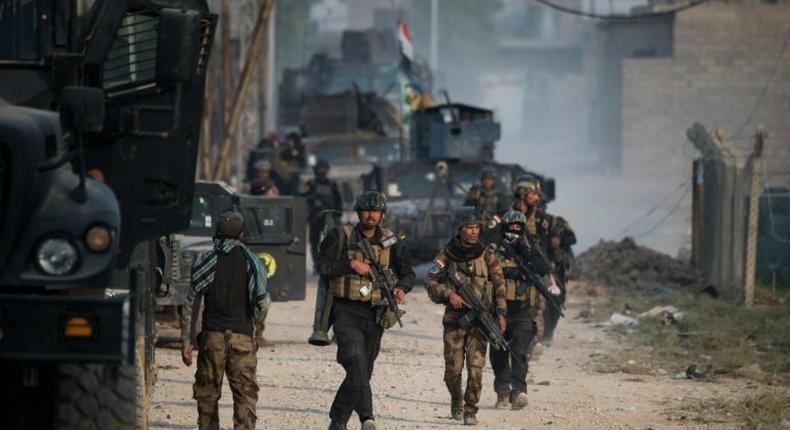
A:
x,y
613,17
654,208
666,217
765,88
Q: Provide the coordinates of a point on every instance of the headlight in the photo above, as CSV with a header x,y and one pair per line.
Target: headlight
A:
x,y
56,256
98,238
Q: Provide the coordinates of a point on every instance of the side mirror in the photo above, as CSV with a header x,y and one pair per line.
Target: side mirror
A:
x,y
82,109
179,46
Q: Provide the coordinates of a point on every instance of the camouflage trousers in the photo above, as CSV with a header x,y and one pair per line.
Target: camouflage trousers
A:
x,y
463,345
233,354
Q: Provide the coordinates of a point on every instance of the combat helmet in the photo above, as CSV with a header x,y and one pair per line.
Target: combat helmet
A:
x,y
514,217
371,201
525,184
488,172
467,215
263,165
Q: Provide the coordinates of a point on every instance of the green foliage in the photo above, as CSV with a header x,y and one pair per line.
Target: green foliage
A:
x,y
718,336
758,411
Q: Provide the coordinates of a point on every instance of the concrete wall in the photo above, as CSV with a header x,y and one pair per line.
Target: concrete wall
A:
x,y
723,55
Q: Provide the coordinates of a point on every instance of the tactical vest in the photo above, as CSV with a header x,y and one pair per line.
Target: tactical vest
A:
x,y
478,270
323,192
489,201
353,286
530,296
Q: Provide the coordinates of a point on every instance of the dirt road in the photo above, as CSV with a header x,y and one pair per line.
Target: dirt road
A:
x,y
298,381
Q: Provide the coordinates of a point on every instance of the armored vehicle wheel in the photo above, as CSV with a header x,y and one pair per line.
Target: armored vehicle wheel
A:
x,y
96,396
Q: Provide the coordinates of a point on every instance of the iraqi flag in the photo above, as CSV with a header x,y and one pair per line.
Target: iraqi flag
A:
x,y
404,40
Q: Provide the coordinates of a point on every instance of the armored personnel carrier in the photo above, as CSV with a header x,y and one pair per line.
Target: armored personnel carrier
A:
x,y
99,128
274,228
450,146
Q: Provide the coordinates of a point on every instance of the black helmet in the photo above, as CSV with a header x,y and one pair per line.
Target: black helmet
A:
x,y
321,163
514,217
371,201
525,184
488,172
468,215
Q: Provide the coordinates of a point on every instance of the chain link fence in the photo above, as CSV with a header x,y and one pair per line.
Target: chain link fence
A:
x,y
724,178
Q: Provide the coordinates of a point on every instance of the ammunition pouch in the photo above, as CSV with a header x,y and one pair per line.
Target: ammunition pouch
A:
x,y
385,317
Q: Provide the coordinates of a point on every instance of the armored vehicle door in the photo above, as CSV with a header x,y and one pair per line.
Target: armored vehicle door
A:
x,y
151,63
275,229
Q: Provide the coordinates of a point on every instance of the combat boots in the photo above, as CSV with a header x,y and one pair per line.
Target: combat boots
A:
x,y
470,419
369,425
519,401
457,409
337,425
502,401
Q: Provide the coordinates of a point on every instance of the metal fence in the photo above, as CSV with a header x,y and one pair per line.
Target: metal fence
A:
x,y
737,241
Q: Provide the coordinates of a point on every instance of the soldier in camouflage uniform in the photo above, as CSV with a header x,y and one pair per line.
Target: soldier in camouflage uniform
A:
x,y
560,239
359,313
490,200
322,194
477,264
528,196
510,378
232,280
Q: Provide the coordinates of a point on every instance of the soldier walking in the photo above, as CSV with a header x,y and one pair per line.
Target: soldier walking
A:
x,y
322,194
359,314
510,376
490,200
232,280
560,239
528,196
478,265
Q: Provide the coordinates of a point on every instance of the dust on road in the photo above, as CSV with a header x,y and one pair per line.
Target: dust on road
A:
x,y
298,381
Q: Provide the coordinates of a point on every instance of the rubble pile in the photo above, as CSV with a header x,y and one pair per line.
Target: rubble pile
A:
x,y
627,266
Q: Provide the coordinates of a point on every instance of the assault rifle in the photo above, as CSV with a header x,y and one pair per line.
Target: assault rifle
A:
x,y
384,279
530,275
479,315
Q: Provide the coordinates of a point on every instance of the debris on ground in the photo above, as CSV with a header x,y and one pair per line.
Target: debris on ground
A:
x,y
621,319
625,265
669,315
694,374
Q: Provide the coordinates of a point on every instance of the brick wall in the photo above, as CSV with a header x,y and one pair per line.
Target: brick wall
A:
x,y
723,54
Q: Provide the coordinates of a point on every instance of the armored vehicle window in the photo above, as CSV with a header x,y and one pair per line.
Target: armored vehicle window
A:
x,y
20,28
132,60
202,214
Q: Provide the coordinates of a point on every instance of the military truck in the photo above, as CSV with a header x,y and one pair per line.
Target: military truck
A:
x,y
450,146
274,228
368,64
99,129
347,109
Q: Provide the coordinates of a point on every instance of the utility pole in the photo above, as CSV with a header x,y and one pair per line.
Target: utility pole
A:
x,y
435,35
270,75
205,127
250,64
754,215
